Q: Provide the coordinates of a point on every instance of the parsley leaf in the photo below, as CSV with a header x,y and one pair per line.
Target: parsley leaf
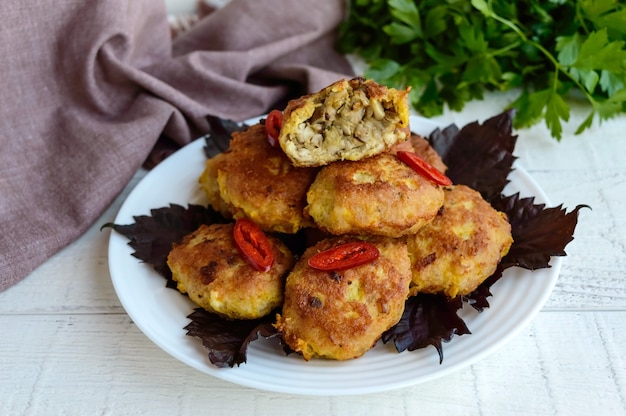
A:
x,y
409,23
452,52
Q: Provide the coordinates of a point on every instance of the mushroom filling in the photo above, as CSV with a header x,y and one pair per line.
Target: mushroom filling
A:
x,y
348,121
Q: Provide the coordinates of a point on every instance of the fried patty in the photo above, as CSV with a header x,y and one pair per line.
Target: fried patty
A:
x,y
422,148
208,267
380,196
461,247
256,181
208,182
348,120
426,151
340,315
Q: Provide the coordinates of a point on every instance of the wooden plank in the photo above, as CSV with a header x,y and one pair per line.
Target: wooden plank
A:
x,y
102,364
593,271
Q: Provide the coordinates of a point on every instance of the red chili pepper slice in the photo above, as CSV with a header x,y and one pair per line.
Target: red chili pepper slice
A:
x,y
344,256
253,245
424,168
273,124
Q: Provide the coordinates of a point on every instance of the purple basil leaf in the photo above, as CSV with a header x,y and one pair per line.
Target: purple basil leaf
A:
x,y
427,320
227,340
218,140
538,232
479,155
152,236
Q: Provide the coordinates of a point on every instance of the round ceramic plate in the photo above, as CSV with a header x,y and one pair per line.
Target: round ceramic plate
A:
x,y
161,313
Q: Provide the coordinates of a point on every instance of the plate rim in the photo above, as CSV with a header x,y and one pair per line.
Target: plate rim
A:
x,y
229,374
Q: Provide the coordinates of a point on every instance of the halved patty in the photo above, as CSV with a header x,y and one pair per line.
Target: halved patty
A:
x,y
348,120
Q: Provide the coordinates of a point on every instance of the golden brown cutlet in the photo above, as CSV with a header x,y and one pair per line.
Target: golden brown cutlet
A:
x,y
208,267
256,181
422,148
461,247
341,314
379,195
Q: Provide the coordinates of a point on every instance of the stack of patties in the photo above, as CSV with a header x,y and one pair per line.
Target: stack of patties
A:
x,y
338,174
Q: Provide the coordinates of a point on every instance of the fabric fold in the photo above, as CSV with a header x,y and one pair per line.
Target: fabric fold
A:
x,y
88,88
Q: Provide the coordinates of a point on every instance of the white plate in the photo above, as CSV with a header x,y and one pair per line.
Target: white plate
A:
x,y
161,313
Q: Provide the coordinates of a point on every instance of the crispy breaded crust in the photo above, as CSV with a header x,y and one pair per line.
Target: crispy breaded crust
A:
x,y
208,182
461,247
341,315
379,196
207,266
420,146
348,120
423,149
256,181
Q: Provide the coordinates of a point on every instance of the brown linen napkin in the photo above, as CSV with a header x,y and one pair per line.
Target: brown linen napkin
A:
x,y
87,88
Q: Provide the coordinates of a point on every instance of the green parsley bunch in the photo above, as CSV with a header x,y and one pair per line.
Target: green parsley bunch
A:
x,y
452,51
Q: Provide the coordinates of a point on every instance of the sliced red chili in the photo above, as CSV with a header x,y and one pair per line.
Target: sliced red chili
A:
x,y
344,256
253,245
424,168
273,124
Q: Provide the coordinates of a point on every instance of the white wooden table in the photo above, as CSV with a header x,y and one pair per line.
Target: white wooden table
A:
x,y
67,347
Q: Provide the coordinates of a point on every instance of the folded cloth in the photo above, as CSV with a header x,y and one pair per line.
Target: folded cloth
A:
x,y
88,88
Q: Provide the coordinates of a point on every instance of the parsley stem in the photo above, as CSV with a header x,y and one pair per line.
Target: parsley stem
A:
x,y
557,66
580,18
503,51
524,38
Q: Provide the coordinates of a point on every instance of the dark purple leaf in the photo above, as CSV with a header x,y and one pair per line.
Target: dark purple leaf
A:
x,y
479,155
152,236
228,340
427,320
218,140
539,233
